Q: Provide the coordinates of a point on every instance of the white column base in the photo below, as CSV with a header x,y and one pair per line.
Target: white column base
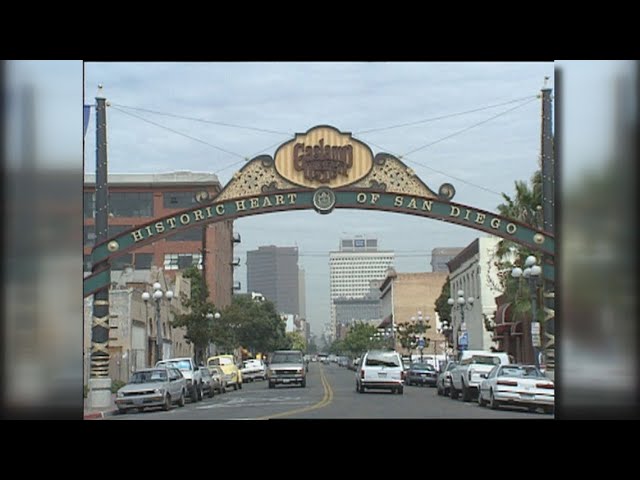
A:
x,y
99,393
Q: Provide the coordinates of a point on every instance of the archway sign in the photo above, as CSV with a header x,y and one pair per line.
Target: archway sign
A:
x,y
321,169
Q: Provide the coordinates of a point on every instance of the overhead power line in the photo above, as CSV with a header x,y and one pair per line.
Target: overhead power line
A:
x,y
442,117
178,132
202,120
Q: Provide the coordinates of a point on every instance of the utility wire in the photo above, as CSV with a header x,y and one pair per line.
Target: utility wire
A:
x,y
179,133
404,157
183,117
442,117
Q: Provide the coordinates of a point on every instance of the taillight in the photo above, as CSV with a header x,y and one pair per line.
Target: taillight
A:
x,y
544,385
508,383
361,373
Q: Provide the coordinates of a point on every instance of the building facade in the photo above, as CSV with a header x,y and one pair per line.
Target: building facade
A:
x,y
472,272
273,271
441,256
302,293
138,198
133,323
403,297
353,267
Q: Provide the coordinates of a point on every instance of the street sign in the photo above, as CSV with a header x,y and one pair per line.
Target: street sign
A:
x,y
535,339
535,328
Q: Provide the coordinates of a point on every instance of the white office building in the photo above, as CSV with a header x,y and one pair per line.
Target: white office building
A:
x,y
353,267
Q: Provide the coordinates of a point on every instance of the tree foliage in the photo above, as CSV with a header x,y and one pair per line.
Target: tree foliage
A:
x,y
199,327
254,325
525,207
360,338
442,306
297,341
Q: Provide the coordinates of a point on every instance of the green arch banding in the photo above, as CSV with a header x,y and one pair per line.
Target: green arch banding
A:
x,y
289,200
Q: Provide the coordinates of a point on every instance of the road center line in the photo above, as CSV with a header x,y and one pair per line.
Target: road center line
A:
x,y
327,398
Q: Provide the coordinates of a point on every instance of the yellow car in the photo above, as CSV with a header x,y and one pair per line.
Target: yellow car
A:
x,y
230,369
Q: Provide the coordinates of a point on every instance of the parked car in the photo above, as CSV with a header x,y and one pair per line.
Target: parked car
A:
x,y
226,362
421,374
253,369
152,387
208,384
381,370
219,378
466,377
444,378
285,367
517,384
190,372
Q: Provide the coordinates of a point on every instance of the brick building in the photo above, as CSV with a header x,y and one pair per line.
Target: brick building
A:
x,y
138,198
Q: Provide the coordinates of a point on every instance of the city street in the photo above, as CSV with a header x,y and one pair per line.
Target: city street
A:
x,y
330,394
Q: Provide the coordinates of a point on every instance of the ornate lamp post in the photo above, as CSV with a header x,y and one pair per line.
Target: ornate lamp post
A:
x,y
157,295
532,275
461,304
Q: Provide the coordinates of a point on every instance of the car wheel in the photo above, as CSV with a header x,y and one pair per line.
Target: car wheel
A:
x,y
181,400
439,390
466,394
199,392
194,394
212,392
480,400
271,385
453,393
493,403
167,403
303,384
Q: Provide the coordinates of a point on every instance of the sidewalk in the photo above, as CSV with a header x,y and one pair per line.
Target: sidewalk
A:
x,y
99,414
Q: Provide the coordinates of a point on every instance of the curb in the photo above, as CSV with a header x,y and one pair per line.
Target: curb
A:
x,y
99,415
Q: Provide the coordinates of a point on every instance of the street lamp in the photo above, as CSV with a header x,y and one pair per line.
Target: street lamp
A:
x,y
532,275
445,329
158,293
461,304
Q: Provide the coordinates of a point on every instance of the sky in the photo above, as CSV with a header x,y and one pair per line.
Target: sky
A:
x,y
481,153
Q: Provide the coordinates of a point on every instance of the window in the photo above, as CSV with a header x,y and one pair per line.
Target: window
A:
x,y
131,204
117,229
178,261
142,261
179,199
89,233
120,262
190,235
89,205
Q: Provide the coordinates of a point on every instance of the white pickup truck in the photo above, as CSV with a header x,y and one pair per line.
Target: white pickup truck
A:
x,y
466,377
190,372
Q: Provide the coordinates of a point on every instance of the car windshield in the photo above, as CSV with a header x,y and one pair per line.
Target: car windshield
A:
x,y
283,357
485,360
220,361
382,359
422,366
521,372
179,364
452,366
149,376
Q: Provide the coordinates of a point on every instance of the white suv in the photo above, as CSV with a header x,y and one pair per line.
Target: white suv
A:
x,y
381,370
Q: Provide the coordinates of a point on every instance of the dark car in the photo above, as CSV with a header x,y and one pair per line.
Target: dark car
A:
x,y
421,374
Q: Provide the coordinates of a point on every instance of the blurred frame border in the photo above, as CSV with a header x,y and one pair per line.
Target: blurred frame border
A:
x,y
41,374
599,341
